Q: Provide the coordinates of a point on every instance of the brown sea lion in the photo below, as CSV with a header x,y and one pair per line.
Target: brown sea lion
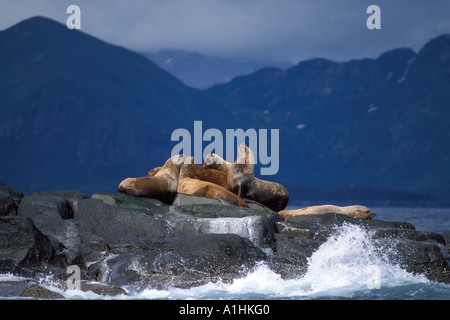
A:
x,y
214,161
154,171
203,173
162,186
207,189
242,181
359,212
211,175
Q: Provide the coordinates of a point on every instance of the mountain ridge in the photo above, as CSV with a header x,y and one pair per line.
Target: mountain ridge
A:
x,y
82,108
80,113
385,118
306,68
203,71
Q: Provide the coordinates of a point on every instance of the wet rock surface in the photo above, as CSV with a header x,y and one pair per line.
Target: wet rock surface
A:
x,y
119,240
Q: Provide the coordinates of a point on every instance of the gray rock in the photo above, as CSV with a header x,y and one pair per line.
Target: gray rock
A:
x,y
9,200
285,229
255,224
27,288
330,221
10,289
7,205
207,210
23,243
92,251
127,201
182,262
98,220
9,266
446,236
102,289
418,257
258,229
408,234
53,216
121,240
70,195
118,215
52,206
297,249
40,292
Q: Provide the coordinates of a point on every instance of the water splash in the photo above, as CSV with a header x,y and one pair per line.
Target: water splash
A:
x,y
351,261
347,265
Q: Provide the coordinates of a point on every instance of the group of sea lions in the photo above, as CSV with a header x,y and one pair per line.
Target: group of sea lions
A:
x,y
232,182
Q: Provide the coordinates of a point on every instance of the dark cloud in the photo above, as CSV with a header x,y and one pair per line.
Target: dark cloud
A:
x,y
266,29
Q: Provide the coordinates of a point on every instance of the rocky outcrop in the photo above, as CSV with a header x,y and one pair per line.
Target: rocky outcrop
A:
x,y
9,200
182,261
53,215
119,240
22,243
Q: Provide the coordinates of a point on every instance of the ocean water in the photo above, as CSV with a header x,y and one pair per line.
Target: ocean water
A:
x,y
347,266
424,219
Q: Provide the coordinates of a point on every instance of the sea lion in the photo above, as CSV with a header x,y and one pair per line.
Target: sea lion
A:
x,y
207,189
201,173
211,175
154,171
162,186
214,161
242,181
359,212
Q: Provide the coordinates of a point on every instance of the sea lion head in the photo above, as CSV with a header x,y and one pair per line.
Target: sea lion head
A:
x,y
186,166
245,161
212,159
245,155
177,160
361,212
173,165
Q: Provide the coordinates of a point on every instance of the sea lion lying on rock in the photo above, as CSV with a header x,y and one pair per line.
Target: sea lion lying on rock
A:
x,y
242,181
202,188
211,175
162,186
360,212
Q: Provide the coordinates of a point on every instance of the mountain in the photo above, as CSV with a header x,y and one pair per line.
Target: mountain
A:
x,y
315,79
201,72
81,113
382,122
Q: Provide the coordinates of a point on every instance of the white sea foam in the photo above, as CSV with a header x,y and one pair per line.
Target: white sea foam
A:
x,y
6,277
349,261
346,263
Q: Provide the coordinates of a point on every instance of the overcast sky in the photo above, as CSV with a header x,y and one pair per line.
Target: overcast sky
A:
x,y
292,30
